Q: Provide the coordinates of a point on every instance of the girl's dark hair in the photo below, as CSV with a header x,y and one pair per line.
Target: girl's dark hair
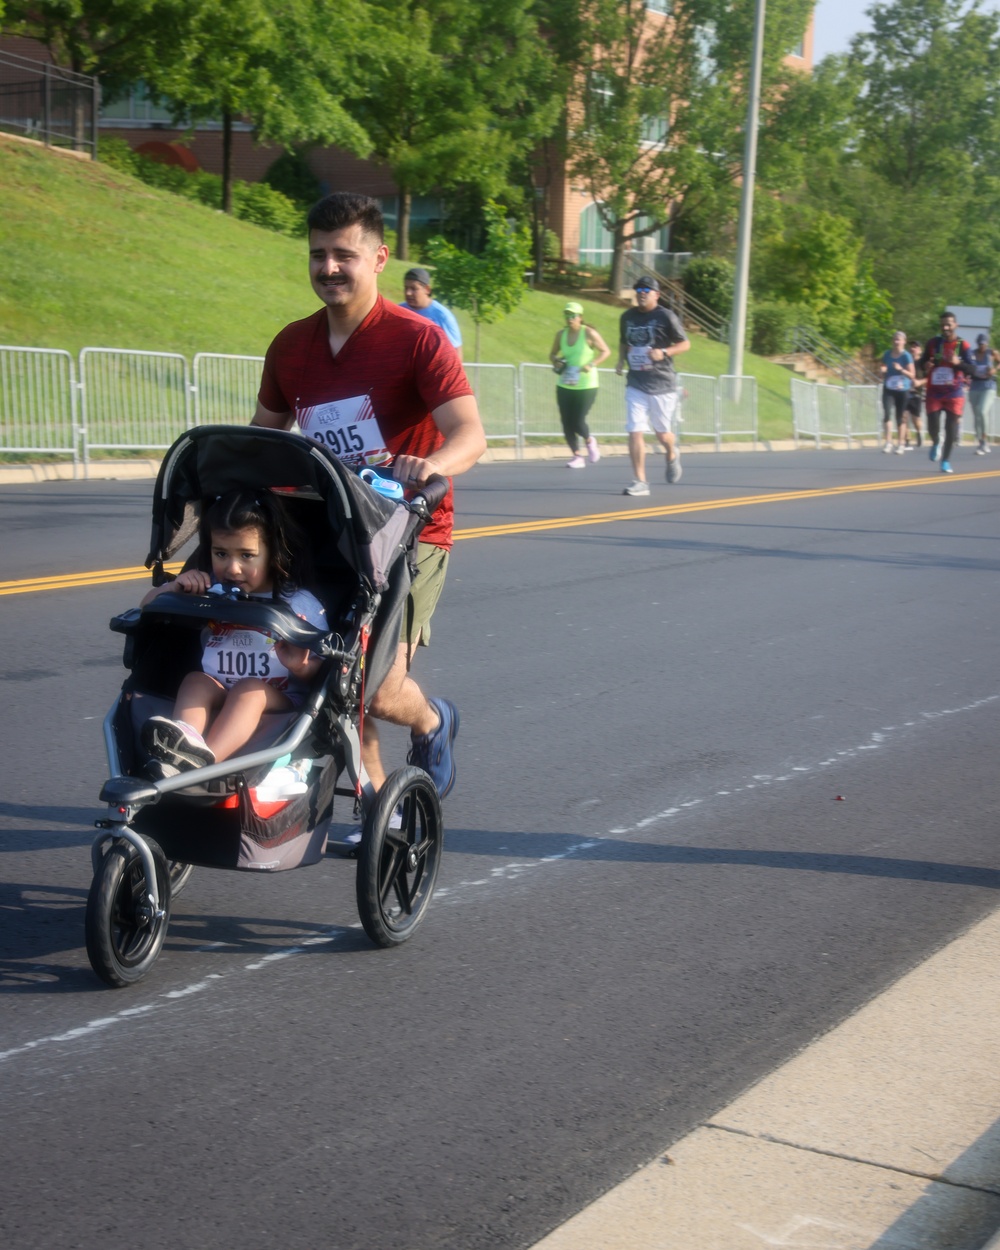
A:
x,y
259,509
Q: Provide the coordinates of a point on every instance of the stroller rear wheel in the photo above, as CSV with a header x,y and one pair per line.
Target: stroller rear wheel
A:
x,y
397,868
123,937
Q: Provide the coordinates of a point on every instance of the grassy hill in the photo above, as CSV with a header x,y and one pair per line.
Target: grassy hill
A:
x,y
92,257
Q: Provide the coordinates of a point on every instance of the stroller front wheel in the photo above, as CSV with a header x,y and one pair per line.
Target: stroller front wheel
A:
x,y
123,937
397,868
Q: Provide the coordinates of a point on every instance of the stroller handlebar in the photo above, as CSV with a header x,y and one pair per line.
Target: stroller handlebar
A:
x,y
428,499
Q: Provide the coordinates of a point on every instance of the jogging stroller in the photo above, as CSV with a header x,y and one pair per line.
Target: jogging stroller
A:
x,y
217,816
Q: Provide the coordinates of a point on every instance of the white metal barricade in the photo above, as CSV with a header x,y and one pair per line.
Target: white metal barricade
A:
x,y
864,411
805,417
38,402
225,388
133,400
540,408
497,394
698,408
737,406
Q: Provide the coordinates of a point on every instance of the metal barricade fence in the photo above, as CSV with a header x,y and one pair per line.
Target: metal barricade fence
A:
x,y
38,402
863,411
497,394
132,400
699,406
540,408
737,406
805,417
225,388
831,412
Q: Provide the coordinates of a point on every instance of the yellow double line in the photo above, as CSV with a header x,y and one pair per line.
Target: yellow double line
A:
x,y
104,576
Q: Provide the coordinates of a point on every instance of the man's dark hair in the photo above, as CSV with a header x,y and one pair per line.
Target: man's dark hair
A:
x,y
343,209
949,316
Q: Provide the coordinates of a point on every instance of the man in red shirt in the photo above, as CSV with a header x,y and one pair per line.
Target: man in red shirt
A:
x,y
372,380
947,365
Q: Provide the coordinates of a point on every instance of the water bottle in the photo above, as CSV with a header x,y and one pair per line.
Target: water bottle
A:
x,y
386,486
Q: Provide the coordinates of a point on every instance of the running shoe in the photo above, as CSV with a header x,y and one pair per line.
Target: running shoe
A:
x,y
980,450
674,469
637,488
901,450
577,462
433,752
176,742
946,467
593,451
887,449
934,455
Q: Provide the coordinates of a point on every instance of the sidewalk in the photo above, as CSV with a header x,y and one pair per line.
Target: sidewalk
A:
x,y
882,1135
123,470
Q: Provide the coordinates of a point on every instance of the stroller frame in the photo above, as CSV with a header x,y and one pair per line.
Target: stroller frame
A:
x,y
140,858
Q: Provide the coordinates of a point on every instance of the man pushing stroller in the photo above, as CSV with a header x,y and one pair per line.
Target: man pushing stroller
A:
x,y
374,382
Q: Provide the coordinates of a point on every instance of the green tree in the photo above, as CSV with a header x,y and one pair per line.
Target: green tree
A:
x,y
283,66
816,262
655,113
452,93
487,286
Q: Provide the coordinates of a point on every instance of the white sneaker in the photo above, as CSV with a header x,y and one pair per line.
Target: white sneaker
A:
x,y
637,488
980,450
887,448
901,450
593,451
577,462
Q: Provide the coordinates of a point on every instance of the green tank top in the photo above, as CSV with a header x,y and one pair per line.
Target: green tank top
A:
x,y
580,354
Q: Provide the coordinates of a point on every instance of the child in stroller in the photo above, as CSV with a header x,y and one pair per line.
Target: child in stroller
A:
x,y
254,547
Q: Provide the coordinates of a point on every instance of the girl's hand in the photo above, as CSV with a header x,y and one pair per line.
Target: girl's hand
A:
x,y
299,661
193,582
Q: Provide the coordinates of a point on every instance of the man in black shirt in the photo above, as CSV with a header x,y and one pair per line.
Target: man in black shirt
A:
x,y
649,338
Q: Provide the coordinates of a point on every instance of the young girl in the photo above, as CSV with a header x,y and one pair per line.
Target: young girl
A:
x,y
254,546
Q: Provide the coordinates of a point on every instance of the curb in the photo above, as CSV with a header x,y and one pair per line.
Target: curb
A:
x,y
135,470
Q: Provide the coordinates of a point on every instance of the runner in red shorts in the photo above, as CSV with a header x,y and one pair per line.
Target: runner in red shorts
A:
x,y
947,365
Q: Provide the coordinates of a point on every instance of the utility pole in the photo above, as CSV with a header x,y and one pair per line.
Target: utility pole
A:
x,y
738,321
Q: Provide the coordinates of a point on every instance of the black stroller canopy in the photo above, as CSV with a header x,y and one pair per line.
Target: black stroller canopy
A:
x,y
367,531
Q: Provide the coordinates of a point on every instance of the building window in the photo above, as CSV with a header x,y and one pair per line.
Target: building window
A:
x,y
135,108
654,131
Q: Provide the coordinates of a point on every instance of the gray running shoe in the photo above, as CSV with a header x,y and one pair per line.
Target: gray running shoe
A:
x,y
637,488
175,742
674,469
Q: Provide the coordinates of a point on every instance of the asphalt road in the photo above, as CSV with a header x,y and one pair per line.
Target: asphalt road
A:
x,y
652,893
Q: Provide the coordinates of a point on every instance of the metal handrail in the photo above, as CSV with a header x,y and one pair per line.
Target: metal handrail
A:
x,y
852,371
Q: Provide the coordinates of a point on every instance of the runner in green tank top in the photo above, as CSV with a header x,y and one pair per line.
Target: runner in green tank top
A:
x,y
576,353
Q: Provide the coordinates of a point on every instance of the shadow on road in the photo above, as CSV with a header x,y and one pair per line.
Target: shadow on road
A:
x,y
612,850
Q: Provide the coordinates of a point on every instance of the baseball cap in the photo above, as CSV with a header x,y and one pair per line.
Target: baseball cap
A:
x,y
574,308
982,338
646,284
418,275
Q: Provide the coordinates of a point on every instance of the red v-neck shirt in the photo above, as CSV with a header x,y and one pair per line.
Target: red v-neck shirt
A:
x,y
401,362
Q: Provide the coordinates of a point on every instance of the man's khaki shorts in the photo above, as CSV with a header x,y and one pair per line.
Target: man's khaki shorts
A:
x,y
432,567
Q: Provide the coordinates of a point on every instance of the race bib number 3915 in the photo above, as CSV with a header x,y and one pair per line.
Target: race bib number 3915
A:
x,y
349,428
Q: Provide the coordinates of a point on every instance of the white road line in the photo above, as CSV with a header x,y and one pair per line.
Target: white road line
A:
x,y
505,872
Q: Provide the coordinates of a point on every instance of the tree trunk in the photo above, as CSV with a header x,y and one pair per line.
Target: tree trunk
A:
x,y
227,161
403,224
618,259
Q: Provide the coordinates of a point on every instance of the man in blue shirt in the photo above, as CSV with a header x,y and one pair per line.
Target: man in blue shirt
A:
x,y
417,289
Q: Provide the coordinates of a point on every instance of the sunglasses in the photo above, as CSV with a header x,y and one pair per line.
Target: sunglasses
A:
x,y
644,290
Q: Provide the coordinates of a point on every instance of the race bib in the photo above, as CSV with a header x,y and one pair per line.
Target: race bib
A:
x,y
897,382
571,375
638,358
942,376
349,428
232,652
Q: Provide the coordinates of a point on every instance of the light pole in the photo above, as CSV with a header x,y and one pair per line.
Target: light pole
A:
x,y
738,321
